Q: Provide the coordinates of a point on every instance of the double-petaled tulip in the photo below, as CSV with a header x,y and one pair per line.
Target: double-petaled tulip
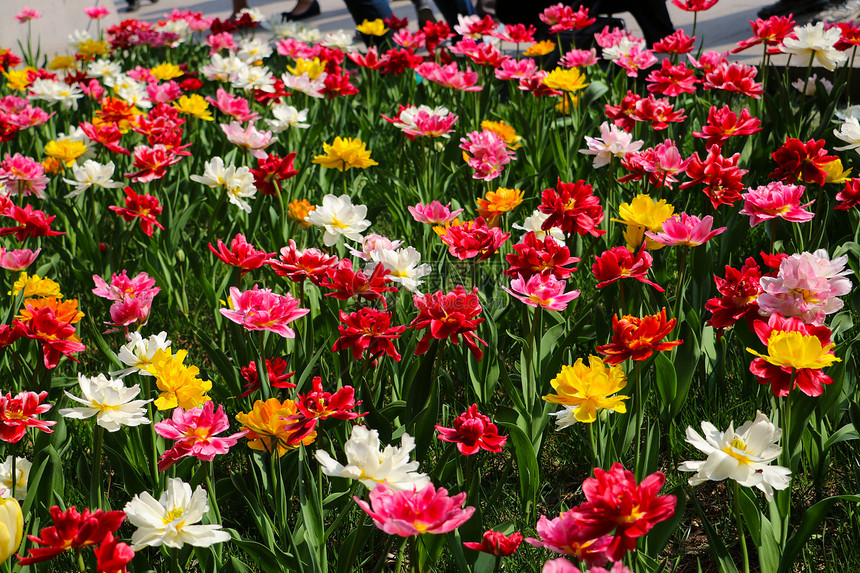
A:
x,y
544,256
368,331
261,309
638,338
241,254
543,291
620,263
796,355
496,543
21,412
474,239
449,316
195,434
573,208
408,513
71,530
686,230
473,431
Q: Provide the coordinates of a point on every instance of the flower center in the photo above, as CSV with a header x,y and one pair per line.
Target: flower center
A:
x,y
732,450
337,223
173,515
634,515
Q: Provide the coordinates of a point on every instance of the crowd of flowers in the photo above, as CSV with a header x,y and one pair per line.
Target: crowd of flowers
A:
x,y
299,304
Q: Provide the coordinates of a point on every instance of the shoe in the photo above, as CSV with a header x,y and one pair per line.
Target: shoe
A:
x,y
839,12
133,6
313,10
786,7
425,14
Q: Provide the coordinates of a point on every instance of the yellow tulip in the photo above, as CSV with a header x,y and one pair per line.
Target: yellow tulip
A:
x,y
11,527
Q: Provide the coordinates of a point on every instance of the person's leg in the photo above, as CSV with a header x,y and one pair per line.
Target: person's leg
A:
x,y
238,5
653,18
362,10
451,8
424,12
651,15
796,7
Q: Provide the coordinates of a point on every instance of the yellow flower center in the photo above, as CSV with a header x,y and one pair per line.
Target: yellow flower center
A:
x,y
732,450
634,515
337,223
806,295
420,526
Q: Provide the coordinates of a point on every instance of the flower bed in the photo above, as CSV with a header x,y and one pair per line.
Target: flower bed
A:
x,y
398,351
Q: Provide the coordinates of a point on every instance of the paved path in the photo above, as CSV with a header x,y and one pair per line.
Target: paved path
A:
x,y
721,27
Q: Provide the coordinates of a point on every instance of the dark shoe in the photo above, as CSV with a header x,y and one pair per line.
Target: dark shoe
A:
x,y
425,14
133,6
785,7
313,10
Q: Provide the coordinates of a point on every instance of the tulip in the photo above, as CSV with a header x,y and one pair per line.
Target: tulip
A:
x,y
11,527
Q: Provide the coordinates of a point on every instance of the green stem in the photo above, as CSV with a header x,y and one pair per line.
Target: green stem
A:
x,y
174,561
739,521
414,562
153,443
209,471
399,563
353,548
682,268
786,453
640,415
82,567
96,498
592,438
531,380
14,467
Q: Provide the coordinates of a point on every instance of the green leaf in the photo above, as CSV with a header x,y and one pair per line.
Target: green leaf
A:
x,y
752,515
812,518
715,542
667,380
768,550
844,434
658,538
527,466
268,561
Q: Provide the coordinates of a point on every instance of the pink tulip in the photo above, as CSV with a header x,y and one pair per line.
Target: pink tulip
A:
x,y
194,432
17,260
96,12
27,14
407,513
776,199
249,137
686,230
487,154
131,310
234,106
449,76
434,213
512,69
22,175
132,297
540,290
222,41
261,309
122,286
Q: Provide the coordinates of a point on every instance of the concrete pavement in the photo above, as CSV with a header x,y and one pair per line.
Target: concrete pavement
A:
x,y
720,28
